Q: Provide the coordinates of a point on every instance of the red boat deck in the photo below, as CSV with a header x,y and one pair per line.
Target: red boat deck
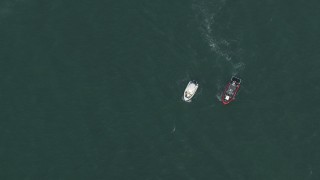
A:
x,y
230,91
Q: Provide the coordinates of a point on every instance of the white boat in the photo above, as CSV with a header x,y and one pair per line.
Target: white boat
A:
x,y
190,90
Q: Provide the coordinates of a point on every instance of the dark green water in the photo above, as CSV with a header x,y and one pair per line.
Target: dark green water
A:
x,y
92,90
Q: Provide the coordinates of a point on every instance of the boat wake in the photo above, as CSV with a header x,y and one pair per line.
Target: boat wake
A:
x,y
174,127
219,97
207,13
237,68
219,89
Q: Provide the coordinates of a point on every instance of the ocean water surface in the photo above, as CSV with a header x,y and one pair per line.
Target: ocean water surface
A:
x,y
92,90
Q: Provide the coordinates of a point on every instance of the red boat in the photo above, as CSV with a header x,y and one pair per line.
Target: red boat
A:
x,y
231,90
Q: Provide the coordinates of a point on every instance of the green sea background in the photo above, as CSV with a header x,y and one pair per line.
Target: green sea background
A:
x,y
92,90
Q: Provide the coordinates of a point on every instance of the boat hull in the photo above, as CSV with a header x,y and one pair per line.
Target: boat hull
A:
x,y
231,90
190,91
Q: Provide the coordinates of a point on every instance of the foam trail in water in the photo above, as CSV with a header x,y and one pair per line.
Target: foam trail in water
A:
x,y
219,89
174,127
219,96
238,67
207,13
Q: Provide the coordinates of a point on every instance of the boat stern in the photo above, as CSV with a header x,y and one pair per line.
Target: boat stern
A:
x,y
226,100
